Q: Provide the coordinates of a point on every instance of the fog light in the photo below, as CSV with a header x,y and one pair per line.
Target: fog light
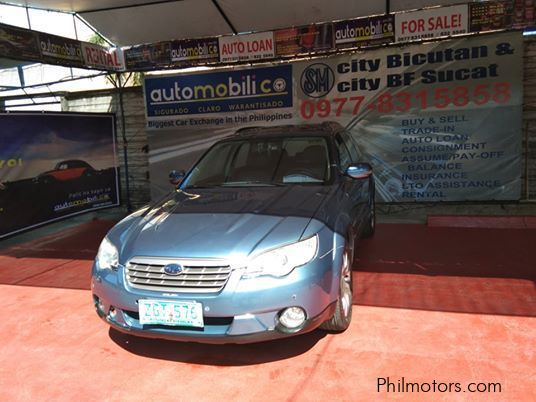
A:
x,y
292,317
112,313
99,306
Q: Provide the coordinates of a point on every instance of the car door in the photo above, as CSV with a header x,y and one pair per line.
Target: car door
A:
x,y
357,189
357,156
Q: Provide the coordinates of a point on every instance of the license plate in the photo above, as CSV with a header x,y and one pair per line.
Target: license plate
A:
x,y
174,313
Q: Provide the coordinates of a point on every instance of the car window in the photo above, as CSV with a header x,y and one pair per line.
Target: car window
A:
x,y
263,161
350,145
241,156
213,169
344,156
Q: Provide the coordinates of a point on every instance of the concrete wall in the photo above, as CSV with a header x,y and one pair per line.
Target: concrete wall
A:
x,y
529,118
136,137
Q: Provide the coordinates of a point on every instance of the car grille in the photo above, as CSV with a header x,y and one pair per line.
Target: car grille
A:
x,y
197,276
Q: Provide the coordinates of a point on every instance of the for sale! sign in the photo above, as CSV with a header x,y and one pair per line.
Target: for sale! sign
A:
x,y
431,23
247,47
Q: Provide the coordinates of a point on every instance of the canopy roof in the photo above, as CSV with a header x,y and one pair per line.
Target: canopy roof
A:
x,y
129,22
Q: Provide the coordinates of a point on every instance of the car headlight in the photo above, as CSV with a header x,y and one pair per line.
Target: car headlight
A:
x,y
281,261
107,257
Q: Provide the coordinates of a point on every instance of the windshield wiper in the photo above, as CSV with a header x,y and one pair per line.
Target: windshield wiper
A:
x,y
255,183
203,186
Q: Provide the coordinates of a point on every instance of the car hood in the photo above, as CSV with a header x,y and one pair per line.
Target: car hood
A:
x,y
221,223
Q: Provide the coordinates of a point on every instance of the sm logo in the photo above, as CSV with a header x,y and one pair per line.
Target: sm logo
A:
x,y
317,80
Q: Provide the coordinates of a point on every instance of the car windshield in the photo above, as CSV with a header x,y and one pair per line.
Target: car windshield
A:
x,y
263,162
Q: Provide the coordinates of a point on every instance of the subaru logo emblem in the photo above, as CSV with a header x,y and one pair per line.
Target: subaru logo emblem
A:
x,y
173,269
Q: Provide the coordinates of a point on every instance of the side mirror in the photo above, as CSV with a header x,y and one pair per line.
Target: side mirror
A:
x,y
176,176
359,170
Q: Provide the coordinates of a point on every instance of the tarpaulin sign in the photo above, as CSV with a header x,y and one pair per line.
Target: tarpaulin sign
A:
x,y
431,23
439,121
55,165
365,31
55,48
304,39
524,13
490,15
18,43
247,47
192,50
101,57
168,98
148,56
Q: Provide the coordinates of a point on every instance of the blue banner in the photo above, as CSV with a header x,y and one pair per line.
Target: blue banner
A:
x,y
218,92
53,166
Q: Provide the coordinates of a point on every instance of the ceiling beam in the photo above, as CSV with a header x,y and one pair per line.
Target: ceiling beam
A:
x,y
148,3
222,13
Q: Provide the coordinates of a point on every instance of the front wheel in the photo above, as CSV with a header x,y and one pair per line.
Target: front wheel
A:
x,y
340,320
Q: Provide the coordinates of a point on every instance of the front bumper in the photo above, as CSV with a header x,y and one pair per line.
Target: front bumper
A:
x,y
245,311
245,330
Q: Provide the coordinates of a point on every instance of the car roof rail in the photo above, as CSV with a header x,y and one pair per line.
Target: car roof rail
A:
x,y
332,125
241,129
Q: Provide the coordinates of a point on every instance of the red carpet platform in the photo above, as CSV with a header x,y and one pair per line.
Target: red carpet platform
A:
x,y
432,304
61,260
465,270
490,222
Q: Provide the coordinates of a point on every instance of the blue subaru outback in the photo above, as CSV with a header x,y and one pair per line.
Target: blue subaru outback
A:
x,y
256,242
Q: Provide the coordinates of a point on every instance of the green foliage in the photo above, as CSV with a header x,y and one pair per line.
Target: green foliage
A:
x,y
135,78
96,39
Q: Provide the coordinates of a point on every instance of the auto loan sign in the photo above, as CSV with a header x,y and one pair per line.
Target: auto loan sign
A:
x,y
247,47
431,23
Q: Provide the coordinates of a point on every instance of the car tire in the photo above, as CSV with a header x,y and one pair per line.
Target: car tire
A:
x,y
370,226
342,317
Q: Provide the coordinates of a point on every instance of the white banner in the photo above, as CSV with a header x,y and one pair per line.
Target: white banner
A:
x,y
247,47
431,23
101,57
439,121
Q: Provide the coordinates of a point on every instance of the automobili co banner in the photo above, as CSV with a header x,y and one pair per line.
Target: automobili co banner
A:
x,y
439,121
